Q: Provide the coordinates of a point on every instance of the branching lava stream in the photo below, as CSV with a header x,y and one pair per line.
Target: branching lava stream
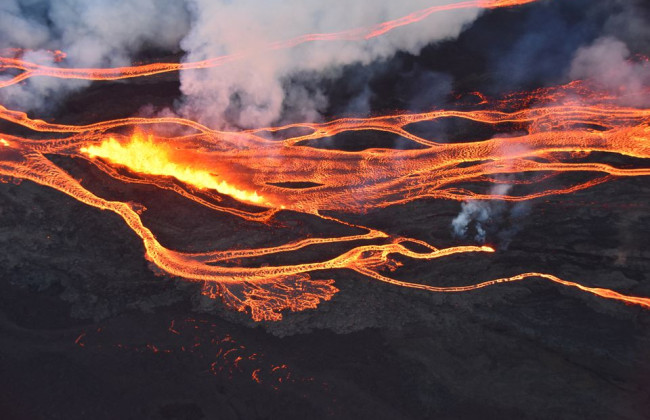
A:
x,y
554,127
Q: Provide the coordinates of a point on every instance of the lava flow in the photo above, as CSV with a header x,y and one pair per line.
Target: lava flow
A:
x,y
551,131
144,156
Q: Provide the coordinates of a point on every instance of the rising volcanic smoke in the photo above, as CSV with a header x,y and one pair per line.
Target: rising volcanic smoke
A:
x,y
255,92
94,33
244,93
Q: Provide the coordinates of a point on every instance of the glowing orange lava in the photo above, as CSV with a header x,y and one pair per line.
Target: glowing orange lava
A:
x,y
146,157
551,128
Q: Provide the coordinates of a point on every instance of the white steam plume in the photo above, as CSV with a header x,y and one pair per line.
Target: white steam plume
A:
x,y
93,33
257,91
495,218
607,62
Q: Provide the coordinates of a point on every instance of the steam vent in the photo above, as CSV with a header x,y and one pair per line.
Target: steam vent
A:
x,y
306,209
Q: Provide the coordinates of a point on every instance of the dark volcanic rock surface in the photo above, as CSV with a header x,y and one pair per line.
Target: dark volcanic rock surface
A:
x,y
89,331
525,350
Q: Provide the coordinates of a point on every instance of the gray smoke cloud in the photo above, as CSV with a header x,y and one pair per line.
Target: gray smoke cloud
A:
x,y
479,215
607,62
256,91
93,33
268,86
494,220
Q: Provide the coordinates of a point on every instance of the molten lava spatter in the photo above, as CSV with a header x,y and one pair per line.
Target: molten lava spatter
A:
x,y
549,130
146,157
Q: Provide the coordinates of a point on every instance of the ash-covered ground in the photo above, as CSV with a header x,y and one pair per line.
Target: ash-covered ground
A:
x,y
89,330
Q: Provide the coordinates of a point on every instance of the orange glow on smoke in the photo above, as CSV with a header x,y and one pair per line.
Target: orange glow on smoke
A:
x,y
552,128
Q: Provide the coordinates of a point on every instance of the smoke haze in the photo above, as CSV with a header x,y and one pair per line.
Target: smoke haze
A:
x,y
92,33
257,91
254,91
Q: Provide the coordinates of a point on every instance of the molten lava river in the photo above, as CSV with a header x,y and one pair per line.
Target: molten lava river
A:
x,y
263,174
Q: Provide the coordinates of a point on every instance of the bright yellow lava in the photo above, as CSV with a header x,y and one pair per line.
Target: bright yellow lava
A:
x,y
144,156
